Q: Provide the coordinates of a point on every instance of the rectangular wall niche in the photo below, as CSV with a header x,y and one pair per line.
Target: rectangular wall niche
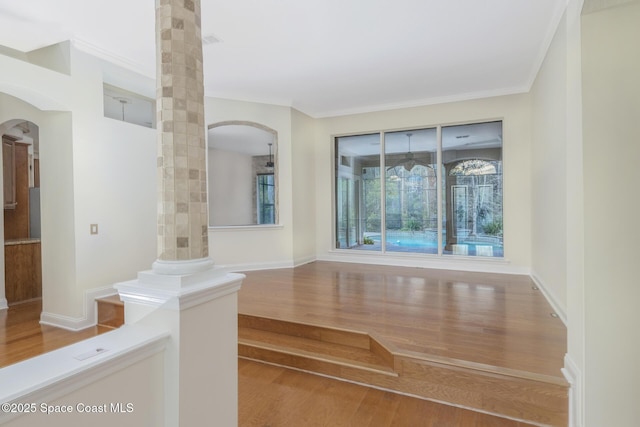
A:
x,y
120,104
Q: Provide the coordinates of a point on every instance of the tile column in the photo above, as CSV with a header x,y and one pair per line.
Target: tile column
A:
x,y
182,192
183,293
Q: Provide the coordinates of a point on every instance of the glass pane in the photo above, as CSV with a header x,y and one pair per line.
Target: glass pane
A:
x,y
358,213
266,199
472,189
411,209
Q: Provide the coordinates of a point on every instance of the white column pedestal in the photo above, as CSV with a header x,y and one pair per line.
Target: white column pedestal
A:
x,y
201,365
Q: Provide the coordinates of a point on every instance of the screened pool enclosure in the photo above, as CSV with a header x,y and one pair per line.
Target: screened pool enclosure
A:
x,y
434,191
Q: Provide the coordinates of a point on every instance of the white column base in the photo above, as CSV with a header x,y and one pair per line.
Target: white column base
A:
x,y
188,283
200,312
190,266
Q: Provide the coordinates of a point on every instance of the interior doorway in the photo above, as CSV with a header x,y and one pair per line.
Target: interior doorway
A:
x,y
21,213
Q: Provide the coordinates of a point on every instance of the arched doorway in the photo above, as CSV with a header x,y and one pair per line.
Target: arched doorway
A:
x,y
21,213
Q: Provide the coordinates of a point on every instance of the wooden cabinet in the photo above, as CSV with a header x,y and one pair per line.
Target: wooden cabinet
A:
x,y
23,271
9,173
16,219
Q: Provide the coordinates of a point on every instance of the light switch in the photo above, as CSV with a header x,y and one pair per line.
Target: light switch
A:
x,y
94,228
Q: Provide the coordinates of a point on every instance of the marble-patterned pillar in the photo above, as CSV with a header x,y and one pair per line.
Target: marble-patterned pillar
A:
x,y
182,193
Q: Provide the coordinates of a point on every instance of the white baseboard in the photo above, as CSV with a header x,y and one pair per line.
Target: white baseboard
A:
x,y
484,265
3,304
472,264
65,322
235,268
304,260
90,317
557,308
573,375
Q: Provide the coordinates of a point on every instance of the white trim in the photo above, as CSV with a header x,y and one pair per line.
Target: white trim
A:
x,y
461,97
113,58
183,267
90,310
257,266
157,293
557,307
235,268
3,304
574,377
552,28
461,263
253,227
303,260
52,375
65,322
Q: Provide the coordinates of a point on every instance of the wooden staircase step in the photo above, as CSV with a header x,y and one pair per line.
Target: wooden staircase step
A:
x,y
110,311
361,357
306,353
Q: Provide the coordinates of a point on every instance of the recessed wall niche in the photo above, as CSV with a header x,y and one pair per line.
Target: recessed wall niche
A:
x,y
120,104
242,174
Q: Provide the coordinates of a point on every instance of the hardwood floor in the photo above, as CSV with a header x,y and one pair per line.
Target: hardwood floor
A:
x,y
22,336
268,395
493,319
483,319
279,397
482,341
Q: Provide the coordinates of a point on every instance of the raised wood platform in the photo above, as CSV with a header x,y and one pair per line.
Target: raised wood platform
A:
x,y
110,311
486,342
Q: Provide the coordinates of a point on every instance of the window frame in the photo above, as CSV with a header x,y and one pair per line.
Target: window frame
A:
x,y
440,175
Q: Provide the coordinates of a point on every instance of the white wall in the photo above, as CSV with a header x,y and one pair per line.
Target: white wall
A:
x,y
304,184
57,199
515,113
611,112
93,171
558,192
257,246
139,385
575,308
28,92
548,159
233,187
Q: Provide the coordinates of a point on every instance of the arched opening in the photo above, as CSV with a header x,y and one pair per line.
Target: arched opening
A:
x,y
242,174
474,213
21,213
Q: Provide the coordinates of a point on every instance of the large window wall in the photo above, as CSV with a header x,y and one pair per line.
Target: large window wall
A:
x,y
441,193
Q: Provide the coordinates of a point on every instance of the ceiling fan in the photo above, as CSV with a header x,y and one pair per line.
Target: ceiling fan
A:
x,y
409,160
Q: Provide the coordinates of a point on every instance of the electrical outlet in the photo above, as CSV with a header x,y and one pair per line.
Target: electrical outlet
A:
x,y
94,228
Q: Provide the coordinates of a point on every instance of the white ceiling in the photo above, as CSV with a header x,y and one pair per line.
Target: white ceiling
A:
x,y
322,57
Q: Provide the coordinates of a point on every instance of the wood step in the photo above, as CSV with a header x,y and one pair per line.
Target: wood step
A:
x,y
110,311
311,347
308,354
361,357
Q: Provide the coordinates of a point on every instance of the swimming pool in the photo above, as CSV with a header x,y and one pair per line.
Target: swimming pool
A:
x,y
427,242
